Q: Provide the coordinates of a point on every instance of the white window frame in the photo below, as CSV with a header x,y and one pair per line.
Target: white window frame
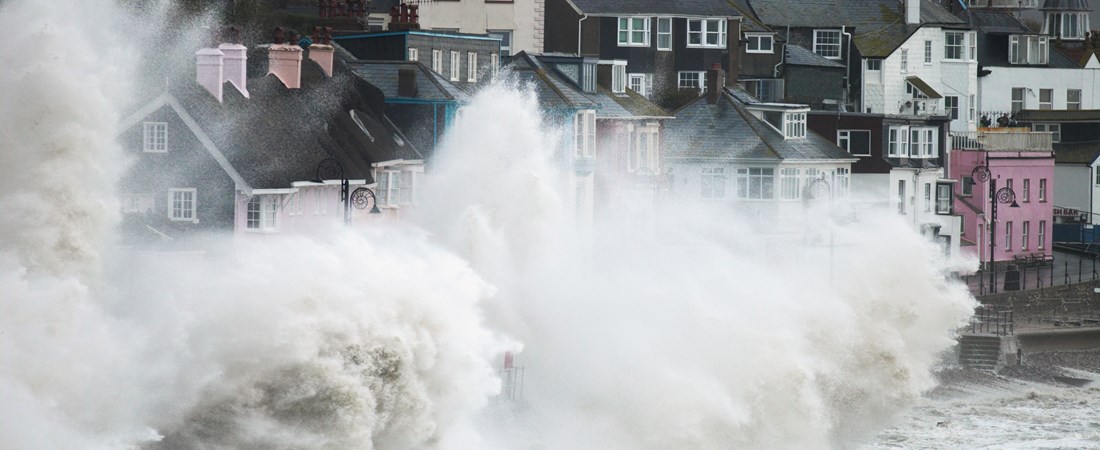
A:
x,y
414,54
437,61
618,77
756,183
584,134
704,32
503,35
712,182
388,189
794,125
954,51
1024,230
155,137
1026,49
1070,103
1027,190
790,183
904,60
972,109
471,67
928,52
844,140
927,197
1055,128
1008,235
951,106
1042,189
685,82
189,214
1049,104
494,63
266,208
666,35
1017,105
456,65
756,43
642,85
630,26
642,149
1042,235
819,46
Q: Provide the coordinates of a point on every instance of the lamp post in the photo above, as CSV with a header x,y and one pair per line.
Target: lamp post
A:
x,y
331,169
1005,195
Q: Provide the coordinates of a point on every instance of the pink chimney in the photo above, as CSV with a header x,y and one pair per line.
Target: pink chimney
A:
x,y
208,64
285,61
235,65
322,55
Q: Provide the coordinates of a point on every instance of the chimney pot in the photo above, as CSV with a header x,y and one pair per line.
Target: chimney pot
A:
x,y
279,35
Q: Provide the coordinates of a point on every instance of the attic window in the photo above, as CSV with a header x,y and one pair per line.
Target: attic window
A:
x,y
794,125
1027,49
363,128
155,137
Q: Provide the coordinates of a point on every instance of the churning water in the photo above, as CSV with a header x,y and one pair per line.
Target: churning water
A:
x,y
662,325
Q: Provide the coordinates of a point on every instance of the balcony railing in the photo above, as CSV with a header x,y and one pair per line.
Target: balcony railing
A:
x,y
1016,141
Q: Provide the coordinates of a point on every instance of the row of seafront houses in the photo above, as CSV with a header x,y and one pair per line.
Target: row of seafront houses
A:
x,y
760,116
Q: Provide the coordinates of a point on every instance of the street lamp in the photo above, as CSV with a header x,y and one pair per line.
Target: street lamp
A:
x,y
329,169
1005,195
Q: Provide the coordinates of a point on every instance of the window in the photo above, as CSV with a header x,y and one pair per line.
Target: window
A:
x,y
494,64
856,142
437,61
827,43
693,80
1073,99
755,183
951,105
407,195
1046,98
1043,189
874,64
841,182
155,137
943,199
456,65
1098,175
618,77
1068,25
874,71
706,33
789,181
1008,235
633,32
953,45
904,60
664,33
1018,99
137,203
928,52
795,125
471,67
713,182
262,212
1042,235
1054,128
967,186
1027,190
414,54
641,83
181,204
641,150
929,147
505,37
389,187
973,45
914,142
901,196
927,197
1024,234
1008,184
971,108
584,131
1028,49
896,144
759,43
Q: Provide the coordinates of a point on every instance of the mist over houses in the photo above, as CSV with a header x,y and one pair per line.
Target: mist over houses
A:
x,y
940,111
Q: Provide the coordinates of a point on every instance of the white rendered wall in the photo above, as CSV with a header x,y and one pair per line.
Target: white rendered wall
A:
x,y
996,88
525,18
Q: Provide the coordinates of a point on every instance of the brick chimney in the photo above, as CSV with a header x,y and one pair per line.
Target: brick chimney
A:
x,y
912,12
321,51
405,17
285,61
235,65
716,82
208,71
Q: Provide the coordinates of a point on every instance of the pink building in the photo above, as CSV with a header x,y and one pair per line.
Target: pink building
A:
x,y
999,158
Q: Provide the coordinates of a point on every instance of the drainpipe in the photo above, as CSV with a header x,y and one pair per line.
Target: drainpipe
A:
x,y
848,63
783,57
579,28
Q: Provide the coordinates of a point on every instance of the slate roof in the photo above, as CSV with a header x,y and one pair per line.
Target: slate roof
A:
x,y
709,8
278,136
628,105
878,26
1065,5
429,85
1076,152
798,55
728,131
1058,115
554,90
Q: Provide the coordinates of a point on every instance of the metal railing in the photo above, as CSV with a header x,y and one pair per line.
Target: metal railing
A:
x,y
992,320
1024,141
1024,276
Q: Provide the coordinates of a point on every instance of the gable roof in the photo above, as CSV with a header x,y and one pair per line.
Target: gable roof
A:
x,y
278,136
553,90
709,8
727,130
798,55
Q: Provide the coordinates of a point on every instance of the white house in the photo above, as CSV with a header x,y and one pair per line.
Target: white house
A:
x,y
518,23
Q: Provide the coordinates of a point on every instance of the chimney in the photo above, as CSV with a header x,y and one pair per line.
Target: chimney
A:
x,y
716,81
235,65
912,12
285,61
208,65
321,51
406,82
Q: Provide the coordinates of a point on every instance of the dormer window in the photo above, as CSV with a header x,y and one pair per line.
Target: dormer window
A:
x,y
633,32
1027,49
618,77
794,125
